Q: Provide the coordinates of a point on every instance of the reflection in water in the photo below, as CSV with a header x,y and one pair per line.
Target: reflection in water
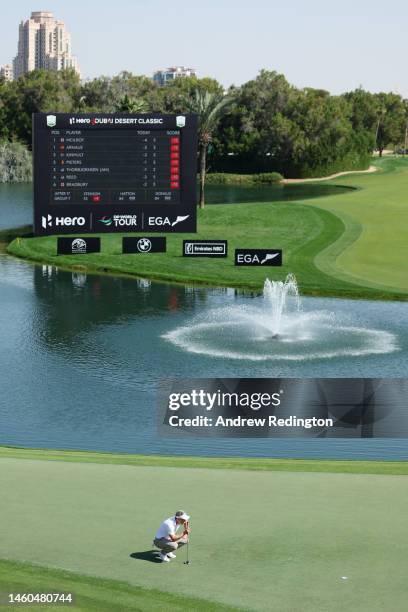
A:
x,y
81,355
80,301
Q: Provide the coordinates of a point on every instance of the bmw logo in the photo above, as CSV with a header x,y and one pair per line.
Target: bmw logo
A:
x,y
144,245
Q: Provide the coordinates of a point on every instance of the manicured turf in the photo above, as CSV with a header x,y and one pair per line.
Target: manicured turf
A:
x,y
374,249
352,244
260,540
232,463
91,593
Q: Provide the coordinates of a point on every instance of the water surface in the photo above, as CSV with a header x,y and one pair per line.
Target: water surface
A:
x,y
80,357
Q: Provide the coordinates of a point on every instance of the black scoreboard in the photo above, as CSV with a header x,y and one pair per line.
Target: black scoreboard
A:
x,y
114,173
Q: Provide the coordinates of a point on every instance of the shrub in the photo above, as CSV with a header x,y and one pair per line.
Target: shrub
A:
x,y
226,178
267,177
15,163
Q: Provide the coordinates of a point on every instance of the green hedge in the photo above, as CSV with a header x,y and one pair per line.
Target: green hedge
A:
x,y
226,178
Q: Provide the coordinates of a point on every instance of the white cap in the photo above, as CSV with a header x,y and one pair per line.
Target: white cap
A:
x,y
182,515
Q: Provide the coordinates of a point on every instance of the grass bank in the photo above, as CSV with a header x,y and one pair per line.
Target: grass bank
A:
x,y
90,593
349,245
8,235
216,463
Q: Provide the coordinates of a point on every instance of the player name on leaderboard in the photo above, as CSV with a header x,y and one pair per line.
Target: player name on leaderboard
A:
x,y
115,166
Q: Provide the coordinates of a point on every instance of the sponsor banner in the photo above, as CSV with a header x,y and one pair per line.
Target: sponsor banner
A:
x,y
169,222
78,245
115,121
205,248
64,223
117,222
284,408
159,220
144,244
258,257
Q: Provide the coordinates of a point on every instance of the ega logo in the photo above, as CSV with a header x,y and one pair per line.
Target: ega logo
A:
x,y
166,221
258,257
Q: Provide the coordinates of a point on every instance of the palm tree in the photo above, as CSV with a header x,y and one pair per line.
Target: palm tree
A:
x,y
209,107
131,105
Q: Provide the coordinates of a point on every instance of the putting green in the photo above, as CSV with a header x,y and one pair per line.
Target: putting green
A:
x,y
261,540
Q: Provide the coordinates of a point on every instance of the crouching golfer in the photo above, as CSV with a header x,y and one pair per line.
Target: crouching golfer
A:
x,y
167,538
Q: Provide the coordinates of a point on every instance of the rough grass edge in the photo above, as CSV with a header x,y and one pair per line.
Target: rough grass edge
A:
x,y
92,592
344,466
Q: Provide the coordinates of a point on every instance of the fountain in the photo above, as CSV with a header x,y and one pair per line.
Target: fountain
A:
x,y
279,327
279,295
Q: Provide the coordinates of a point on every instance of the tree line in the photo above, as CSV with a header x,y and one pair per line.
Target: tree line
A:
x,y
265,125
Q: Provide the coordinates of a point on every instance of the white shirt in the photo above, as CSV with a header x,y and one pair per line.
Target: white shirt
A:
x,y
167,528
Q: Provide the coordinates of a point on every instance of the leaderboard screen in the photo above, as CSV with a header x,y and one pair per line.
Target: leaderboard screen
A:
x,y
114,173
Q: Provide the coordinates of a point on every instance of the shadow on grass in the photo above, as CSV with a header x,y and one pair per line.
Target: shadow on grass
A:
x,y
147,555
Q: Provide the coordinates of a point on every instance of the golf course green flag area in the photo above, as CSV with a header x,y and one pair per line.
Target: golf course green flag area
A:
x,y
260,540
348,245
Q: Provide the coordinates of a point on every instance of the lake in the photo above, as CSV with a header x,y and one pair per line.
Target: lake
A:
x,y
80,357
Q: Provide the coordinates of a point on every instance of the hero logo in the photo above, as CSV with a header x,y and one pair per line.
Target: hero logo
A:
x,y
163,221
50,221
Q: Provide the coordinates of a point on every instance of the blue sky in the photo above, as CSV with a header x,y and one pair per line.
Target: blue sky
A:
x,y
361,42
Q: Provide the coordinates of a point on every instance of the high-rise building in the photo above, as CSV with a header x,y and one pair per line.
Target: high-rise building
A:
x,y
43,42
6,72
161,77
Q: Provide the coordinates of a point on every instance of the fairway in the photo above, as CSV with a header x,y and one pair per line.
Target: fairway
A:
x,y
260,541
373,251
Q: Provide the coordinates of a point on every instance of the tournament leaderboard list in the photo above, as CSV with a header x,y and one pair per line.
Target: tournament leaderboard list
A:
x,y
125,173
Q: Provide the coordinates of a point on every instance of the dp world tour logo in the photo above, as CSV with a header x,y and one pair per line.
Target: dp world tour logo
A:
x,y
119,221
106,221
180,121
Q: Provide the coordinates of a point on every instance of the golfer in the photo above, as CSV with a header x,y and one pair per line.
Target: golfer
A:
x,y
167,538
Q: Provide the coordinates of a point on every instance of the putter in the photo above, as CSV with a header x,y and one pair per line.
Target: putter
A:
x,y
187,561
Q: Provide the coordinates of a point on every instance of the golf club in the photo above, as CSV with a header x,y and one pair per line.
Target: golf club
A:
x,y
187,561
